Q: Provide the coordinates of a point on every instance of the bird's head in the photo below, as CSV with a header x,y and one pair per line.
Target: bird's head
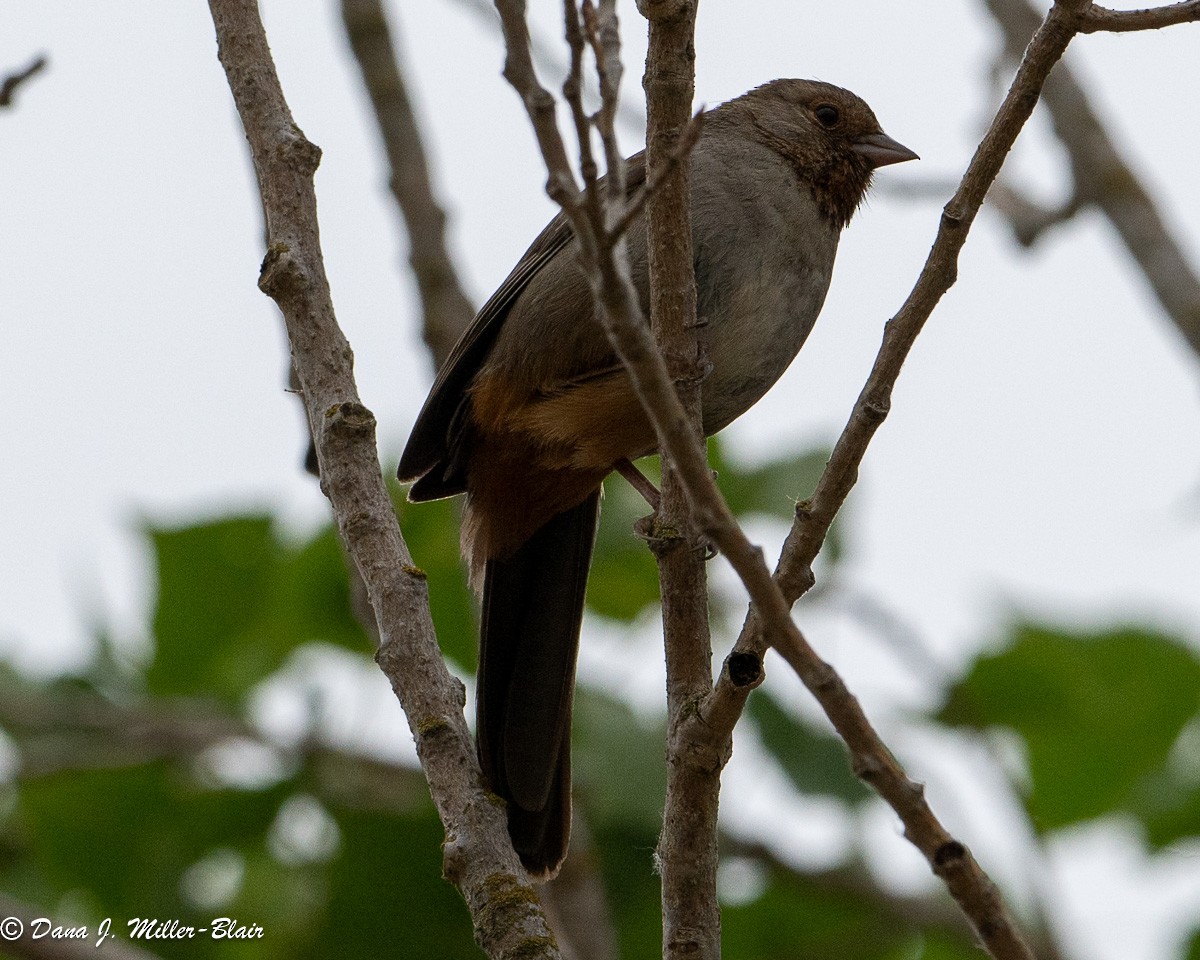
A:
x,y
829,135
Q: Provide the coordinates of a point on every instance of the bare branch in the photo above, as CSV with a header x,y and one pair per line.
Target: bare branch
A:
x,y
687,848
87,731
479,859
539,104
1105,180
1027,218
69,729
548,61
11,83
653,184
447,311
1097,18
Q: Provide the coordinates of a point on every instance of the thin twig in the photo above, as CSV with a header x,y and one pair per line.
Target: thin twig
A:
x,y
687,848
445,307
640,482
1100,19
1028,219
1104,179
548,61
11,83
653,184
479,857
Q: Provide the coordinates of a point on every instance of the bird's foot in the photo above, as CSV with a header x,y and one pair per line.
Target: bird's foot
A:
x,y
639,481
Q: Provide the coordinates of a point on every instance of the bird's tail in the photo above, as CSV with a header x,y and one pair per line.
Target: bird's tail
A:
x,y
529,638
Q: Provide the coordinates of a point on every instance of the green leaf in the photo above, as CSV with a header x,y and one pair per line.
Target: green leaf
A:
x,y
619,768
631,883
313,598
213,581
1193,947
935,945
814,760
431,532
800,916
1098,713
772,488
127,835
790,922
1167,802
234,601
286,901
623,582
387,896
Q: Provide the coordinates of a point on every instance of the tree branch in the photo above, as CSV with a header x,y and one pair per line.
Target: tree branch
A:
x,y
1097,19
479,858
67,730
11,83
1102,176
446,309
548,61
687,849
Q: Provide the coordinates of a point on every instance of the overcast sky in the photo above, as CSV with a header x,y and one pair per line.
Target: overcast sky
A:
x,y
1041,455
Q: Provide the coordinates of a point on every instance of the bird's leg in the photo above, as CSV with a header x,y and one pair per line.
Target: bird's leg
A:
x,y
645,526
639,482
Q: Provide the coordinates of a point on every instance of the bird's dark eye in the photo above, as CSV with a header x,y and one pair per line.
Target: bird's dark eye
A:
x,y
827,115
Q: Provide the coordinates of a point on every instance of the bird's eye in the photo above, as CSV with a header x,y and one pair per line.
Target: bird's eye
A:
x,y
827,115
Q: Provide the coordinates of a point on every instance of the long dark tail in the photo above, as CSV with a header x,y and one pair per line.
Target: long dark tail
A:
x,y
532,611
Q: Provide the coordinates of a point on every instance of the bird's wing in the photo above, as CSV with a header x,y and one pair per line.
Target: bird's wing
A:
x,y
433,455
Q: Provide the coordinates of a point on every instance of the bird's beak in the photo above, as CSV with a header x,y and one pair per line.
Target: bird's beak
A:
x,y
880,150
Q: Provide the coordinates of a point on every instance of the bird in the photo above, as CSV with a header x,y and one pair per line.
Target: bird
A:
x,y
533,409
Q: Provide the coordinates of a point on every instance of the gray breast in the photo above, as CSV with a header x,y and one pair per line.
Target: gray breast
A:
x,y
764,256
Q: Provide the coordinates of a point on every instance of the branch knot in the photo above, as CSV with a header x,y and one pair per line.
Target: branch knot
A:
x,y
296,149
662,9
281,274
349,418
745,668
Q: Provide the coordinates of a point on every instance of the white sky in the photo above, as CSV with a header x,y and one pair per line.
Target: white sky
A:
x,y
1041,455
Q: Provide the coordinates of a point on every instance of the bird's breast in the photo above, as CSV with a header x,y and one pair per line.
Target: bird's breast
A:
x,y
756,318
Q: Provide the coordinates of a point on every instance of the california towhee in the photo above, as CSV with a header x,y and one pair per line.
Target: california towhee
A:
x,y
533,409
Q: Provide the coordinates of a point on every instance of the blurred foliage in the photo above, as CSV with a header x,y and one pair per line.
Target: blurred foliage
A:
x,y
120,809
1098,715
237,593
431,532
815,759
